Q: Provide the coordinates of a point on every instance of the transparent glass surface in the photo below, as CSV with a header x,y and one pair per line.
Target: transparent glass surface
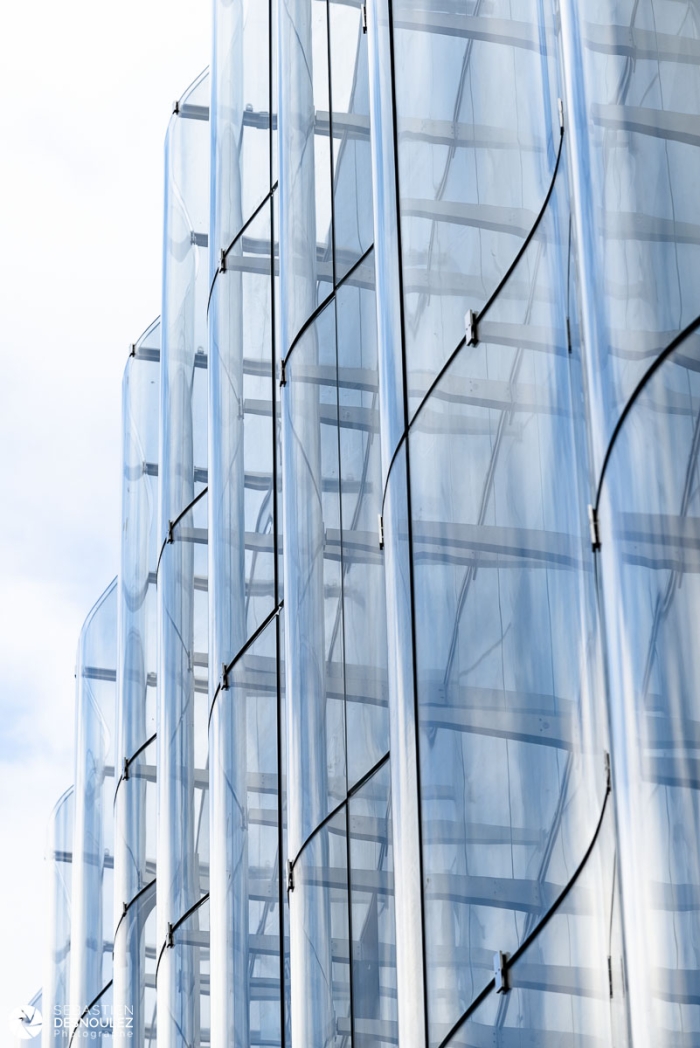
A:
x,y
635,76
352,175
182,745
59,856
242,444
183,424
139,547
408,894
245,859
240,117
320,954
372,914
313,594
305,158
364,603
559,993
286,960
477,139
184,981
93,852
511,762
650,539
133,983
95,1023
135,828
386,232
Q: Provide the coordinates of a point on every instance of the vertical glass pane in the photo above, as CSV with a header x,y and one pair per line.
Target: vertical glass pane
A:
x,y
352,176
304,145
650,520
558,989
184,982
240,112
372,910
316,715
364,604
477,140
131,1005
320,956
59,855
93,848
512,770
245,886
241,482
635,78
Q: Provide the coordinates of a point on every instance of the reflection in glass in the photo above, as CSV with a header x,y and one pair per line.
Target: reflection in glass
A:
x,y
649,543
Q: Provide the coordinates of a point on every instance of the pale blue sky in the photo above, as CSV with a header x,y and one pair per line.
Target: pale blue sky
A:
x,y
87,91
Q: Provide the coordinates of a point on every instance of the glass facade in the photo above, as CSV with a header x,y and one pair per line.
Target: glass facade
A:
x,y
386,733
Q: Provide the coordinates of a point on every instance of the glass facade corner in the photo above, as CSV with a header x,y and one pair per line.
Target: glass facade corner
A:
x,y
386,735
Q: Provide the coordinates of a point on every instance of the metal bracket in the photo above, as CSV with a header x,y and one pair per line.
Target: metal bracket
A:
x,y
610,979
125,907
176,108
132,349
224,676
568,335
381,530
363,8
608,773
470,327
283,373
500,972
170,531
170,941
594,528
222,261
290,875
125,773
560,108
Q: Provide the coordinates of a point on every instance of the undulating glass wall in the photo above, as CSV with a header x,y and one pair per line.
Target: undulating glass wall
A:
x,y
401,695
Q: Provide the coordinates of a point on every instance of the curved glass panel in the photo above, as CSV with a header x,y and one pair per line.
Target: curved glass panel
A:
x,y
96,1022
134,971
475,106
372,914
136,669
650,530
349,127
183,410
96,673
240,117
184,981
634,72
135,828
364,603
306,259
560,991
313,595
246,887
511,757
242,439
320,955
183,715
59,856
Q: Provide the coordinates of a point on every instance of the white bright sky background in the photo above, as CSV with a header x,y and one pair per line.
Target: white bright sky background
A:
x,y
86,95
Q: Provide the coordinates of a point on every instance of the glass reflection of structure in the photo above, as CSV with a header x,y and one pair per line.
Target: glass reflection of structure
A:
x,y
404,743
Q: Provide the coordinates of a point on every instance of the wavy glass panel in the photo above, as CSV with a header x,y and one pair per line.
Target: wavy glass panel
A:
x,y
635,72
511,754
59,856
477,138
246,870
649,554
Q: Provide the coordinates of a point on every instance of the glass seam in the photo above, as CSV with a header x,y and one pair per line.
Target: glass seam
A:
x,y
87,1008
259,630
480,315
174,927
178,518
248,222
130,903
